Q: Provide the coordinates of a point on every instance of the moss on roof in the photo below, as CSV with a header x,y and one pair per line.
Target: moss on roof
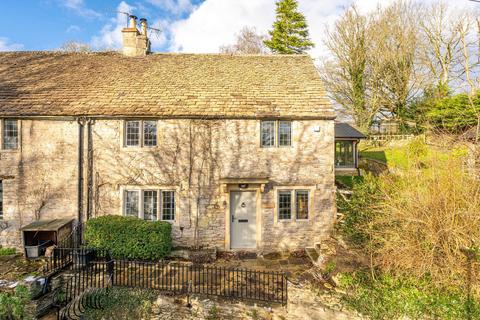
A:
x,y
161,85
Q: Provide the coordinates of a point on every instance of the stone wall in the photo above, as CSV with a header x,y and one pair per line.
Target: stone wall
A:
x,y
40,178
190,158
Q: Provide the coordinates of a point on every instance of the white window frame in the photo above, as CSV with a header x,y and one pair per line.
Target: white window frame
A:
x,y
276,134
141,190
141,141
19,133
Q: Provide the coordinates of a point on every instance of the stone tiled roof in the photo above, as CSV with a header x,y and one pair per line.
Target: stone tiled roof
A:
x,y
160,85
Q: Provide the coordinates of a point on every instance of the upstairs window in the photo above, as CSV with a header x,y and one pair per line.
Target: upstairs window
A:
x,y
140,133
150,205
284,133
1,200
275,133
10,134
268,133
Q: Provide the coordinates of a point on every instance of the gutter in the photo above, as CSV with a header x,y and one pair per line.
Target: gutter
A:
x,y
163,117
90,123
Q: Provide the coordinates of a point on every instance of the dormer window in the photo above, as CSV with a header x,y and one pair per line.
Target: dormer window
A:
x,y
140,133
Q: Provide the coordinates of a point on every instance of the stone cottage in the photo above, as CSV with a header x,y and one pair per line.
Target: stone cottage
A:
x,y
236,152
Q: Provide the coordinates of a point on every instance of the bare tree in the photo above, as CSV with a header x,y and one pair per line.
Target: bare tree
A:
x,y
248,41
468,44
393,34
440,49
345,76
74,46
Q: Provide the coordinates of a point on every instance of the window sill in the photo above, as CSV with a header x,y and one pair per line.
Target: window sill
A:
x,y
9,150
137,149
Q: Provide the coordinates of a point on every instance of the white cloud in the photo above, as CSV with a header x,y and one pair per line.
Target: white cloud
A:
x,y
174,6
79,7
215,22
110,36
73,29
6,45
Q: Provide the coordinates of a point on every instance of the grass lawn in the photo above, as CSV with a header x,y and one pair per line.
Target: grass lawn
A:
x,y
124,303
392,156
400,156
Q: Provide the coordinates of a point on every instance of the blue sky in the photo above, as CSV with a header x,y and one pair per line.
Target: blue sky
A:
x,y
46,24
187,25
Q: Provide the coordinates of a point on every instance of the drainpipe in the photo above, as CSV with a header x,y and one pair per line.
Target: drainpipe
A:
x,y
90,123
81,125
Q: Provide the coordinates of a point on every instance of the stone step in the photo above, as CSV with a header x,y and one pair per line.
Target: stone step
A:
x,y
312,254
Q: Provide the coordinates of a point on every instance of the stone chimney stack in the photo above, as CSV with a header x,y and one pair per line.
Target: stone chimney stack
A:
x,y
135,44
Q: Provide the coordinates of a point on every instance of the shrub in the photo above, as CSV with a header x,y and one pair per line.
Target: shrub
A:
x,y
12,304
425,218
387,297
7,251
454,113
419,221
130,237
359,209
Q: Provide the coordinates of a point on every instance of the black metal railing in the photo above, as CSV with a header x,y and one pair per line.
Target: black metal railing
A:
x,y
90,266
184,278
73,240
86,288
64,258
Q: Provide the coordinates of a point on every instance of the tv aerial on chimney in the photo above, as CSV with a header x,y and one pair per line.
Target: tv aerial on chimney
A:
x,y
155,31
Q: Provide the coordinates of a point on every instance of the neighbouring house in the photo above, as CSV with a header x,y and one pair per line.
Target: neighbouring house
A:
x,y
347,139
236,152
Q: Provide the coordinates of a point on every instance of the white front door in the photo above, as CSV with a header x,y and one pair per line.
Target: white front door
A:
x,y
243,216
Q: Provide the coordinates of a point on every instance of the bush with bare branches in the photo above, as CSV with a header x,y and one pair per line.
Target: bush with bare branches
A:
x,y
425,218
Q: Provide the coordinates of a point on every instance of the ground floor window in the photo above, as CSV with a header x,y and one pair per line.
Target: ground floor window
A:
x,y
284,205
1,200
293,203
301,201
344,154
149,204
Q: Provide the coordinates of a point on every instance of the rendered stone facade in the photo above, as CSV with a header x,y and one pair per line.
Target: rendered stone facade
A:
x,y
192,158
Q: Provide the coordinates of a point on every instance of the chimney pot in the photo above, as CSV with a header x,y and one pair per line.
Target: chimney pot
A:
x,y
144,25
133,22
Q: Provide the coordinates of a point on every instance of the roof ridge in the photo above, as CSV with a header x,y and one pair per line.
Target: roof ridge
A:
x,y
53,52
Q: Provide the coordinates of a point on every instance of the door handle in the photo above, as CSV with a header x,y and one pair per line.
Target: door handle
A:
x,y
242,220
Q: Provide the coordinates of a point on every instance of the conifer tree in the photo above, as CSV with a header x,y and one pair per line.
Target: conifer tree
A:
x,y
290,30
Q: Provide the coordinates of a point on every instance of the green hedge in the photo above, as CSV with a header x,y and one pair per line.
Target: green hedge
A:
x,y
130,237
